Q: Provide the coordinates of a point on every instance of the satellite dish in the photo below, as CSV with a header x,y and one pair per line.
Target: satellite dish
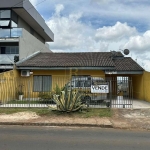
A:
x,y
126,51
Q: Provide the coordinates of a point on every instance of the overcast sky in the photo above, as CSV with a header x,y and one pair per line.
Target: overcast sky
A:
x,y
99,25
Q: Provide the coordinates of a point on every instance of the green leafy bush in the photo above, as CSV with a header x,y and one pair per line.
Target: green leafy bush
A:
x,y
45,96
57,89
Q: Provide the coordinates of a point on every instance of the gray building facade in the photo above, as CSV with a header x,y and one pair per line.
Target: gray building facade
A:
x,y
22,32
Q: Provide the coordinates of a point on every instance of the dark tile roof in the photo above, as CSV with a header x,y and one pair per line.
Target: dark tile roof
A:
x,y
83,59
126,64
92,59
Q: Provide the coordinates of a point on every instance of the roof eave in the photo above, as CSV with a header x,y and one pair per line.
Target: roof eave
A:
x,y
65,68
131,72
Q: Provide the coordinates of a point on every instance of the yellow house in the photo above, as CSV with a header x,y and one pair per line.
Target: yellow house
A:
x,y
45,70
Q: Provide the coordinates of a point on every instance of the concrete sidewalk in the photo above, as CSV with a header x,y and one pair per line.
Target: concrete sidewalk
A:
x,y
140,104
75,122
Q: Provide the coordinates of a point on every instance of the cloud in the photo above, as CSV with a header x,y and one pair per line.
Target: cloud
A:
x,y
140,43
145,64
59,8
70,32
115,33
143,61
102,1
106,25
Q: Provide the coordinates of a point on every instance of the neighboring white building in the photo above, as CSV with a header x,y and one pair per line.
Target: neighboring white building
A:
x,y
22,32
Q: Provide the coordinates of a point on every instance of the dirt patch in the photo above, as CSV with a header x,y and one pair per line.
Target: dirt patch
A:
x,y
128,118
131,113
32,117
73,120
20,116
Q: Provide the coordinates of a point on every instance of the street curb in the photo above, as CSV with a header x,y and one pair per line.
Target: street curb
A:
x,y
56,124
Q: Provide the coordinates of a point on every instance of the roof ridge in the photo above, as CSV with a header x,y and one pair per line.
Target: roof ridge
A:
x,y
28,57
71,52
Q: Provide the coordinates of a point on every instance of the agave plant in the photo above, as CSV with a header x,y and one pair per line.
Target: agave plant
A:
x,y
68,100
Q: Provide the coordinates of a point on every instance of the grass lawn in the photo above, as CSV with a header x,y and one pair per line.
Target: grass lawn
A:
x,y
96,112
29,102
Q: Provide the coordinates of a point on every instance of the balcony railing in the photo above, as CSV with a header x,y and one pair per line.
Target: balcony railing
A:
x,y
7,58
11,33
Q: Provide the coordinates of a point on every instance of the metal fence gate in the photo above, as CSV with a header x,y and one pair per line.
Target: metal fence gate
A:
x,y
121,92
96,92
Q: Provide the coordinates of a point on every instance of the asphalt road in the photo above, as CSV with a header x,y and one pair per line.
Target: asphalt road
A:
x,y
65,138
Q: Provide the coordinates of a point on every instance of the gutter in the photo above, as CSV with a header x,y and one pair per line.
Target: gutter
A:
x,y
65,68
130,72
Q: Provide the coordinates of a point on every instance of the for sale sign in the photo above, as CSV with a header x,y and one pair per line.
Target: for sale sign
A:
x,y
99,89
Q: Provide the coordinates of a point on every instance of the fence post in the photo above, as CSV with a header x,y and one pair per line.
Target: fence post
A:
x,y
29,92
110,95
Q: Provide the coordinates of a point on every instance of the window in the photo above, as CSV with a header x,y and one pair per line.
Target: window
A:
x,y
8,19
4,23
9,50
4,13
82,81
5,18
14,17
13,24
42,83
87,83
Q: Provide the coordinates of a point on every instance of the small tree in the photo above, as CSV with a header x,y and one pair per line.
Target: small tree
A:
x,y
57,90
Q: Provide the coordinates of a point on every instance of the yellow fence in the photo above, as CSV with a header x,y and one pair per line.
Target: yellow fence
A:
x,y
8,85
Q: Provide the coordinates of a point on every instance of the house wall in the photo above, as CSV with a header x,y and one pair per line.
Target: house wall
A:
x,y
65,75
137,81
28,44
146,87
141,86
59,78
11,81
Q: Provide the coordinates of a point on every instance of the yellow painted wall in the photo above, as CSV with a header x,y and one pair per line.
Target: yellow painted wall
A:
x,y
10,82
146,86
61,77
137,81
141,86
8,85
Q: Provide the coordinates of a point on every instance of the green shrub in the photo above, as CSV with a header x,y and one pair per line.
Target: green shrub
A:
x,y
45,96
57,90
